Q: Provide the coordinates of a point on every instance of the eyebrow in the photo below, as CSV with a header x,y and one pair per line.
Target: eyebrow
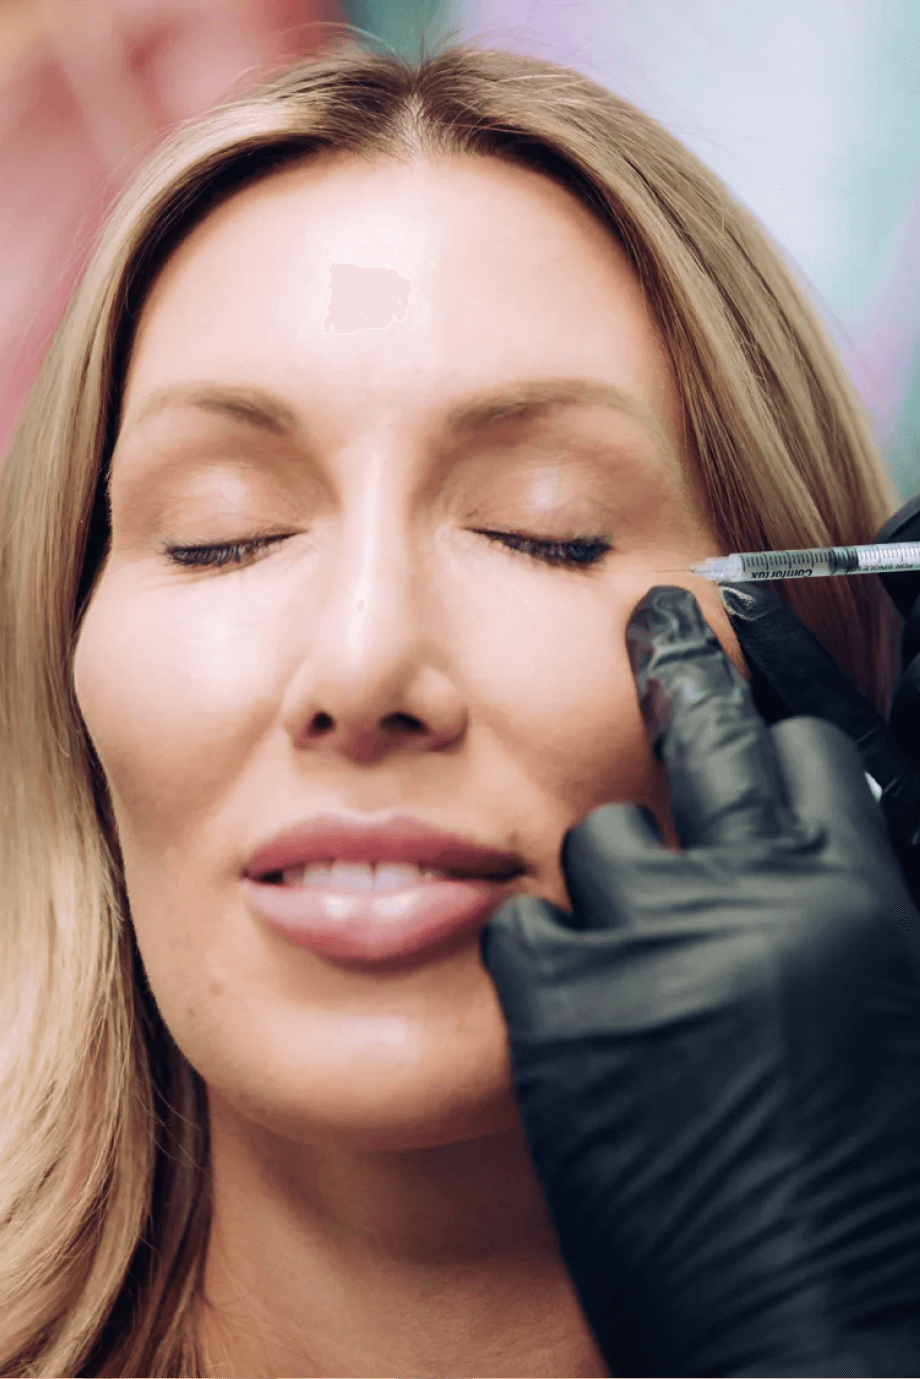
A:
x,y
527,401
252,406
537,399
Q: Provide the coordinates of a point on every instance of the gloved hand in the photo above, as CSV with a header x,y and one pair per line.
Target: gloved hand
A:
x,y
793,674
904,589
717,1054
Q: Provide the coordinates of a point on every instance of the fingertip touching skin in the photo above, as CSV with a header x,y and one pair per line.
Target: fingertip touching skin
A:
x,y
493,382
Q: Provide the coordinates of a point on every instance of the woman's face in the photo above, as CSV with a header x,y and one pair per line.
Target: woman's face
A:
x,y
320,359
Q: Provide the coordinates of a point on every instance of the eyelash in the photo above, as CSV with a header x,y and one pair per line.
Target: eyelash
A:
x,y
581,552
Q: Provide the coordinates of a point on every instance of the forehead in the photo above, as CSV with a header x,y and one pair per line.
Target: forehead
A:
x,y
417,282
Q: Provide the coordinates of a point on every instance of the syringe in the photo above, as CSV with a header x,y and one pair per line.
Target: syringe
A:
x,y
811,564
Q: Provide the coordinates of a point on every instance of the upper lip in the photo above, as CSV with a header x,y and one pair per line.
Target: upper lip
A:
x,y
399,838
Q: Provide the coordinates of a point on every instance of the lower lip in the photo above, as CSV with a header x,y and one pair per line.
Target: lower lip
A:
x,y
370,926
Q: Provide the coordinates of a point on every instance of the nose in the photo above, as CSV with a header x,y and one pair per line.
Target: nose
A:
x,y
376,676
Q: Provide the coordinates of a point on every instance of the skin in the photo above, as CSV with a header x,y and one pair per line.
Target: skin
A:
x,y
375,1210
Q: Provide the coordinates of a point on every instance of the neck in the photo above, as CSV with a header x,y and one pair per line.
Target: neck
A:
x,y
443,1261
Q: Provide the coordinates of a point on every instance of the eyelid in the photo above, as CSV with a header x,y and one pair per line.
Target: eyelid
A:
x,y
250,545
581,552
561,547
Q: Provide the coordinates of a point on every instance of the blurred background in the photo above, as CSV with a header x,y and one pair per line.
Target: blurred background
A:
x,y
808,109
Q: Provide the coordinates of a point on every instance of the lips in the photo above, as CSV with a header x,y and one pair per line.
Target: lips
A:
x,y
398,838
376,925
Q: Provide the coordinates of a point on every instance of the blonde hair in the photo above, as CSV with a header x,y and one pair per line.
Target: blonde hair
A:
x,y
104,1167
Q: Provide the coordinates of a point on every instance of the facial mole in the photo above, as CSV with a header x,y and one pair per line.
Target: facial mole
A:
x,y
365,298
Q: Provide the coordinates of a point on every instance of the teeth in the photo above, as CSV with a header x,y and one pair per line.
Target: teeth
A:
x,y
360,876
393,876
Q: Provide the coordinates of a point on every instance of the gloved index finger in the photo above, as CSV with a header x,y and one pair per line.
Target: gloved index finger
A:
x,y
726,781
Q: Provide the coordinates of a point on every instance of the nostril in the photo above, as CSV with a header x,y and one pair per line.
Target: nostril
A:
x,y
405,720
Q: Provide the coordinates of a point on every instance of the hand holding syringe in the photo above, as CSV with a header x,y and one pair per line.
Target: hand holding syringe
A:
x,y
827,560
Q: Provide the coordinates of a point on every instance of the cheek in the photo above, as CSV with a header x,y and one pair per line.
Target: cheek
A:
x,y
570,698
178,707
555,687
171,704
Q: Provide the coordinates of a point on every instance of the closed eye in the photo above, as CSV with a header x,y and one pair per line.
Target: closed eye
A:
x,y
578,552
212,557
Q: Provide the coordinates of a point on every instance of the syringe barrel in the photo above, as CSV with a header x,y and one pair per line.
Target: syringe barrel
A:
x,y
807,564
814,563
902,555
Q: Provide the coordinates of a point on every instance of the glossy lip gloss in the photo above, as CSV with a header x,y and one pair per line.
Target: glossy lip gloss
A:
x,y
375,926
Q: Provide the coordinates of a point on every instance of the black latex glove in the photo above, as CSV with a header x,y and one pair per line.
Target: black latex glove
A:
x,y
905,592
717,1055
793,674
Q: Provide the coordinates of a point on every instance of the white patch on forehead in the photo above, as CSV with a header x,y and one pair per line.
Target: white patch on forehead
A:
x,y
365,298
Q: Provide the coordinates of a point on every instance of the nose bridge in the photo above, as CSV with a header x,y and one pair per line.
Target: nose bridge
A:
x,y
373,611
366,674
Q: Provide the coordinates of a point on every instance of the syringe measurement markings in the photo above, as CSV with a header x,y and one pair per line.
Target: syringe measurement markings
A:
x,y
814,561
